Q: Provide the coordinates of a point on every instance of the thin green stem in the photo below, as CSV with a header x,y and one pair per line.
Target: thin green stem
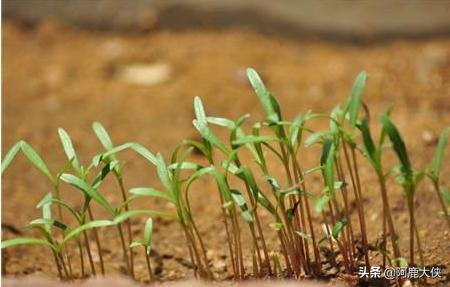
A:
x,y
441,201
124,248
80,249
149,266
97,242
128,223
389,218
88,249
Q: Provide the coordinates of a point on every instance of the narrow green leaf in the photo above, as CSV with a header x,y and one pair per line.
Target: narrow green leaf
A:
x,y
223,122
437,164
315,137
327,145
69,149
163,172
139,149
263,94
47,224
10,155
36,160
258,152
47,211
354,102
296,128
208,135
230,167
251,139
185,165
335,115
93,224
240,201
88,190
398,144
59,202
26,241
98,180
327,163
222,183
264,201
112,152
273,182
329,170
368,143
148,191
144,152
102,135
204,147
139,212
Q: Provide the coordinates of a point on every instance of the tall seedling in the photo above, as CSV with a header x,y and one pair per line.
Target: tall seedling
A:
x,y
409,179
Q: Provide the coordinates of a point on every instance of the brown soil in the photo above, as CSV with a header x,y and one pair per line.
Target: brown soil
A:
x,y
55,76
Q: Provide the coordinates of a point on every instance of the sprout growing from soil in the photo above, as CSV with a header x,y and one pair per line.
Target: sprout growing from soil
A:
x,y
408,178
146,243
45,226
434,173
373,153
247,190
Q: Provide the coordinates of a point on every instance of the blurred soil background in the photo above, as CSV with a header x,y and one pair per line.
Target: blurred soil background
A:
x,y
136,66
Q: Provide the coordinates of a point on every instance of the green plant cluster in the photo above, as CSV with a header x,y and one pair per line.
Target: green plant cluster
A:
x,y
289,201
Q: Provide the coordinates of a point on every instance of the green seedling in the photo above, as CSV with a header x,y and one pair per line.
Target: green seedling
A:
x,y
434,173
118,214
45,226
37,161
286,200
351,112
373,153
288,147
108,145
201,124
408,178
146,243
83,173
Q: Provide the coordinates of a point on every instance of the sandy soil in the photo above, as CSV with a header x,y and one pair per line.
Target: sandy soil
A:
x,y
55,76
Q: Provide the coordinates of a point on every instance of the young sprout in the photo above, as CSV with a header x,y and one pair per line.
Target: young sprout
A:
x,y
408,178
294,174
40,164
82,173
327,163
288,207
434,173
45,226
146,243
108,145
201,124
373,154
116,214
351,112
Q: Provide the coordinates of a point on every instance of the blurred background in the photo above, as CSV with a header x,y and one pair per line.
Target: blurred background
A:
x,y
136,66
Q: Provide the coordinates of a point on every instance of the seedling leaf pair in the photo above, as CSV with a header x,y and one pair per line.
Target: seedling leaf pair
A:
x,y
31,155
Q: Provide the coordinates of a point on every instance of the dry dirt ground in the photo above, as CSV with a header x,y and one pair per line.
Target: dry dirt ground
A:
x,y
56,76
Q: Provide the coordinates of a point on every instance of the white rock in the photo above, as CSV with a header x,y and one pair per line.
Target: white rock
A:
x,y
144,74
